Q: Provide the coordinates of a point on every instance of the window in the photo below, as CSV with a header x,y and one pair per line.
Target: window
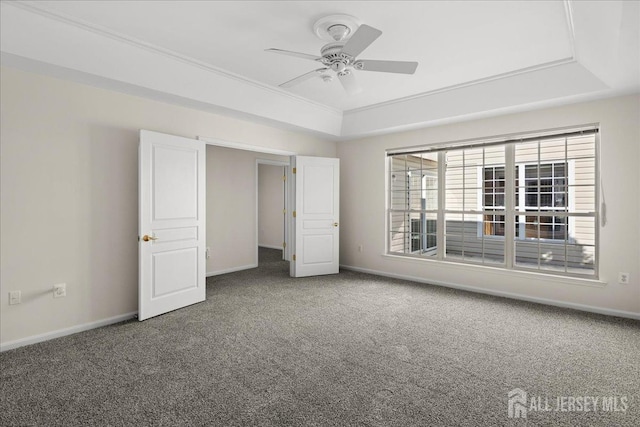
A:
x,y
521,204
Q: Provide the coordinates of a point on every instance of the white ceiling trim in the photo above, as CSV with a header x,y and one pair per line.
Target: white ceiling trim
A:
x,y
32,37
539,87
570,25
94,28
569,59
463,85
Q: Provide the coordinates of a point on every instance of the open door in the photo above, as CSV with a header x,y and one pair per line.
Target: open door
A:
x,y
316,182
171,223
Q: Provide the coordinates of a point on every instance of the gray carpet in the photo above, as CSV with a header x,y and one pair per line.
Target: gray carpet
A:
x,y
349,350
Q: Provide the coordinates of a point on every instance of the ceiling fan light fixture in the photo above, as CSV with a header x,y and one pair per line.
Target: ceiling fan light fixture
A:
x,y
338,67
338,31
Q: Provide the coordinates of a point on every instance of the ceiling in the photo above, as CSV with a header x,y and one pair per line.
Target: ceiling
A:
x,y
475,57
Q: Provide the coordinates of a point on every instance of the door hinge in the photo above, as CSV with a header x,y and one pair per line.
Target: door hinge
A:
x,y
294,170
284,211
294,257
294,214
284,244
284,177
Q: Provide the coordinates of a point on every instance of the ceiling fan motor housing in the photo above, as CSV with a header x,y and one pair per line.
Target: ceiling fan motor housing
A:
x,y
333,50
333,57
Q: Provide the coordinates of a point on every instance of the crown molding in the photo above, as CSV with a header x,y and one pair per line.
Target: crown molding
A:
x,y
571,58
34,7
568,10
506,75
504,93
557,83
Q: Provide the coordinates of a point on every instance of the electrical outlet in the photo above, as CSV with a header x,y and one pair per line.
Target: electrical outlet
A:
x,y
623,278
15,297
60,290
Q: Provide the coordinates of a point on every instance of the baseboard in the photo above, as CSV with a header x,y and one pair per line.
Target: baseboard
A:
x,y
64,332
92,325
575,306
271,246
231,270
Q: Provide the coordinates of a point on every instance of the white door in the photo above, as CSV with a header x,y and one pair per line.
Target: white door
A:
x,y
316,216
171,223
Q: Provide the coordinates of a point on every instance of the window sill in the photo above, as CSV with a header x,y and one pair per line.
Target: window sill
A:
x,y
516,274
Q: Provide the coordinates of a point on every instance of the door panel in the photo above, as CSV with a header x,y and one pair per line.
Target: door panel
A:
x,y
317,249
316,223
318,189
172,218
175,183
174,271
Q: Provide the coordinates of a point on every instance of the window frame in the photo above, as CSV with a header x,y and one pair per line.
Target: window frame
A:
x,y
567,267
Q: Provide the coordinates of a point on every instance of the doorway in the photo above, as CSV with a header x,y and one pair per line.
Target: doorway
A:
x,y
271,205
232,203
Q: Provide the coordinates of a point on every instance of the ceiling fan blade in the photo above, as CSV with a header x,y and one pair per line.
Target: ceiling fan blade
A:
x,y
360,40
296,54
403,67
305,76
349,83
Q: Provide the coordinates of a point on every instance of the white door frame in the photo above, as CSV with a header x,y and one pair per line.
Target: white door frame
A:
x,y
288,200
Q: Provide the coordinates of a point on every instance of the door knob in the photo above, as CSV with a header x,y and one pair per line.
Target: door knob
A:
x,y
335,224
146,238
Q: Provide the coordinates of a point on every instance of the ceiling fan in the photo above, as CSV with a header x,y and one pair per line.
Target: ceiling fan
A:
x,y
340,55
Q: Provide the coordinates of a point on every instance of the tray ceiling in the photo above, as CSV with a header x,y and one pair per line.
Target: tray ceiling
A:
x,y
465,50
